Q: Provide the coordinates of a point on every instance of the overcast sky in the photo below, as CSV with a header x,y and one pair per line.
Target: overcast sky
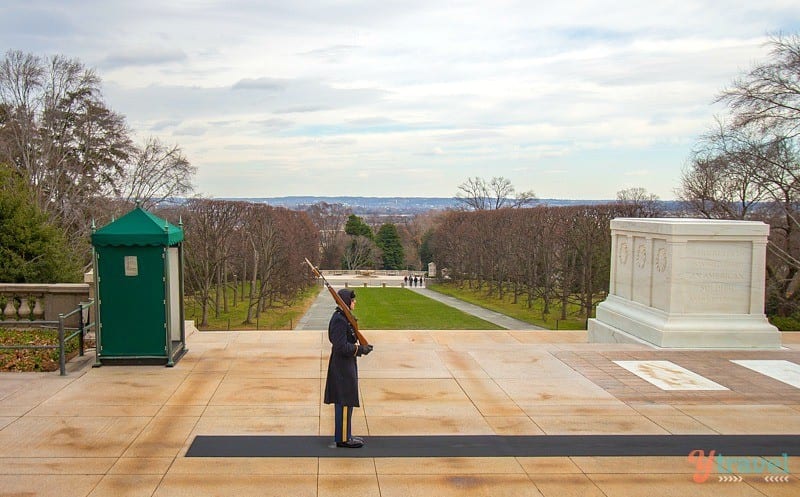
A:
x,y
570,99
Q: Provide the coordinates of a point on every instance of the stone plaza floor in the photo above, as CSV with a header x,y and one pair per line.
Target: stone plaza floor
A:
x,y
124,430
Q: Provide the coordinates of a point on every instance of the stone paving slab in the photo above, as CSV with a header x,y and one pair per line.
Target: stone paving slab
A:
x,y
125,430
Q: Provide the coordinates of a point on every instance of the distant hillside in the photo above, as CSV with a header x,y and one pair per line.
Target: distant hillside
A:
x,y
363,204
392,205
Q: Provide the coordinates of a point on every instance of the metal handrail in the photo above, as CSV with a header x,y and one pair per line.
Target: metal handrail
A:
x,y
63,338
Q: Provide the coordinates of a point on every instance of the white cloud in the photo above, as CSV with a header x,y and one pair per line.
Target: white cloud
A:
x,y
143,56
269,84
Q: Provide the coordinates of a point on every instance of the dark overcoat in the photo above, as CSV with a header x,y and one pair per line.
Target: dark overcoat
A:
x,y
341,386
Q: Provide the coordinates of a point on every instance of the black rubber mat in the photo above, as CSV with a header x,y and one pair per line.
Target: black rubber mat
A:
x,y
496,446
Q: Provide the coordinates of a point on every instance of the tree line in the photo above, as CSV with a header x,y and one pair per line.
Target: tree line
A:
x,y
230,243
558,256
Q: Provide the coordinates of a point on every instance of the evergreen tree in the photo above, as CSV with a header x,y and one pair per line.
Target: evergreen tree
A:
x,y
31,249
388,240
356,226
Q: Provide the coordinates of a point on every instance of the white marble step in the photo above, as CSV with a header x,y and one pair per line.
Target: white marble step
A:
x,y
667,375
785,371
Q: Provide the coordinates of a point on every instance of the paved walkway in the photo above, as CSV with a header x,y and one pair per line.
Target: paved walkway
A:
x,y
125,430
318,315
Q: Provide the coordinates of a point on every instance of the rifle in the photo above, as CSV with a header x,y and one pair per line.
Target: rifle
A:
x,y
339,302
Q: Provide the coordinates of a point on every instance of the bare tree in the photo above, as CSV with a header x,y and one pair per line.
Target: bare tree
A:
x,y
702,188
769,95
724,178
749,168
76,153
360,252
58,133
478,194
278,240
211,227
156,173
329,219
637,202
264,238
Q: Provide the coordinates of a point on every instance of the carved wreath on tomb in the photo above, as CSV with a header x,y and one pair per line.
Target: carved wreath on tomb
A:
x,y
661,260
641,256
623,253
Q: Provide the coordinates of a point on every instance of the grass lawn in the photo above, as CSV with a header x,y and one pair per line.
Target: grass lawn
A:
x,y
402,309
519,310
277,318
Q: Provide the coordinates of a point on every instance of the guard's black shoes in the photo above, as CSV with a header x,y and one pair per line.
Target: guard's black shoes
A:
x,y
353,443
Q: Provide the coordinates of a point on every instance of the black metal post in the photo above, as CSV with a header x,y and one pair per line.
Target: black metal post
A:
x,y
62,356
80,327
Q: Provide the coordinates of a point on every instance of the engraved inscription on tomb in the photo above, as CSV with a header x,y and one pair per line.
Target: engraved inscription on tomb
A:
x,y
717,277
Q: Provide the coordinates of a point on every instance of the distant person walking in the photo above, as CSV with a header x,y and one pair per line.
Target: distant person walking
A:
x,y
405,280
415,281
341,384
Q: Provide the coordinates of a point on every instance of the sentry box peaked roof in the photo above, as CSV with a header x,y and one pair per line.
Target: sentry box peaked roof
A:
x,y
138,228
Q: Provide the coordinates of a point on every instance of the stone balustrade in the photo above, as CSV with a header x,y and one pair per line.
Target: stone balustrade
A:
x,y
20,303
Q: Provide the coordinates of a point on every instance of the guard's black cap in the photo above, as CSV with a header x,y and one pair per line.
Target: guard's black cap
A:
x,y
347,295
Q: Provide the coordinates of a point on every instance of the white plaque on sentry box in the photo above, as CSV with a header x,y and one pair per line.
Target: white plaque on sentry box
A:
x,y
131,265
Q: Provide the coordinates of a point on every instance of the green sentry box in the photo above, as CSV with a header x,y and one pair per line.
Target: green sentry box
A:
x,y
139,281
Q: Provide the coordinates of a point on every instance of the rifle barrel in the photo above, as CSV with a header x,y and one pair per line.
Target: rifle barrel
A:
x,y
340,303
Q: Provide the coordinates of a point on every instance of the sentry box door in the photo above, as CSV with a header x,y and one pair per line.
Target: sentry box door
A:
x,y
131,291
